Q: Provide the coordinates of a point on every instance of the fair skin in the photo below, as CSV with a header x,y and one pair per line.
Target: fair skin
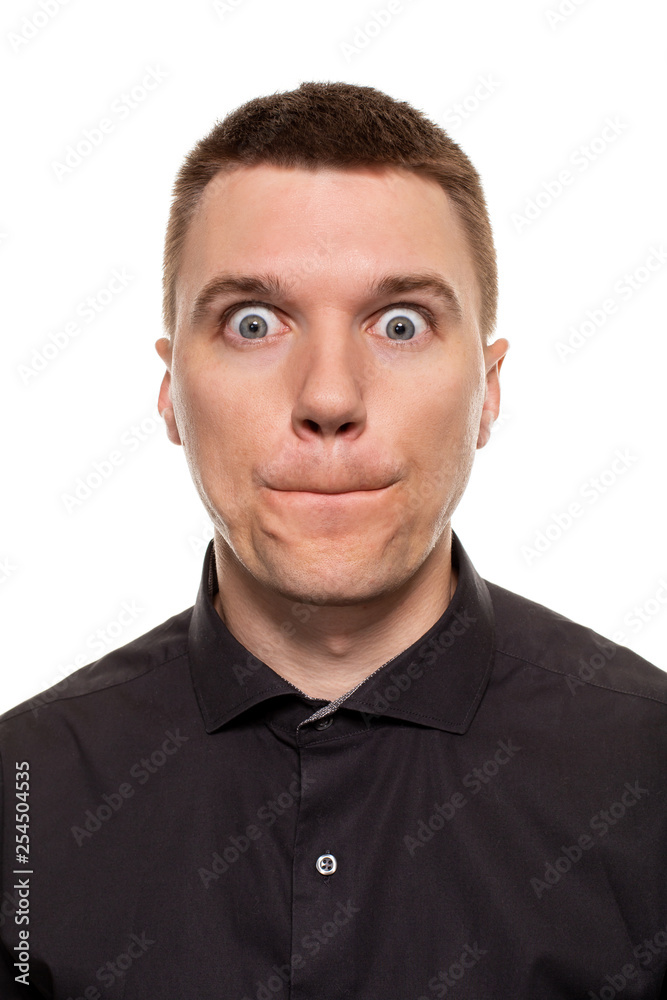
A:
x,y
329,424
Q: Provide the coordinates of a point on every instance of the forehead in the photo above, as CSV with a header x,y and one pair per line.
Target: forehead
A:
x,y
325,230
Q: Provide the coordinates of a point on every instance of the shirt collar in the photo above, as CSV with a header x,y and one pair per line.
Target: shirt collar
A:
x,y
438,681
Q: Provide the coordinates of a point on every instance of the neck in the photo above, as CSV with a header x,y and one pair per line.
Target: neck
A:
x,y
324,650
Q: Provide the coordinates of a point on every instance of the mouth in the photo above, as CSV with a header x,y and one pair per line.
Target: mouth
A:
x,y
333,496
337,493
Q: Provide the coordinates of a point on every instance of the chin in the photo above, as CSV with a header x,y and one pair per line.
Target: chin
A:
x,y
325,579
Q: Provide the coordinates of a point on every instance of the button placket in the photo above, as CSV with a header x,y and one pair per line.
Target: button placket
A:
x,y
323,878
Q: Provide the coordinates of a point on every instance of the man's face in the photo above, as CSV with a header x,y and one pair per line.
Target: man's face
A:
x,y
329,399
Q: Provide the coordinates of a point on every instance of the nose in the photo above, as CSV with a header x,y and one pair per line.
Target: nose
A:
x,y
329,374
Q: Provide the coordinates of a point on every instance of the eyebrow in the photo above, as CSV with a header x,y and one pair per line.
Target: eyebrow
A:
x,y
424,281
264,285
269,286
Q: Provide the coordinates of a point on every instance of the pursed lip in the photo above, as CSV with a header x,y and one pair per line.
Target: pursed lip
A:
x,y
341,492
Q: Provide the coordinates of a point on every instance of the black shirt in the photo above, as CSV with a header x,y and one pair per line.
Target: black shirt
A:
x,y
482,817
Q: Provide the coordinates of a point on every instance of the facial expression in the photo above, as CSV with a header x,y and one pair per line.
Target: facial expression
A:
x,y
327,377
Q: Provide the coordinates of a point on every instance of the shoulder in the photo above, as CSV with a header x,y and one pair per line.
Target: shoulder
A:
x,y
537,637
116,669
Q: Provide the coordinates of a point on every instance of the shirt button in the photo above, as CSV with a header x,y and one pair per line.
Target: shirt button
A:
x,y
324,723
326,864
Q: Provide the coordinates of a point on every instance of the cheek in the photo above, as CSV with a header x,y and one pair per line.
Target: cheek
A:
x,y
219,427
444,422
446,407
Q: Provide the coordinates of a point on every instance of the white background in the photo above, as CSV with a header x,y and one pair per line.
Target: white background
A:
x,y
552,82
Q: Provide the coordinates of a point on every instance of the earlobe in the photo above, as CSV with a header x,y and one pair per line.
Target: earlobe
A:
x,y
165,405
494,355
485,427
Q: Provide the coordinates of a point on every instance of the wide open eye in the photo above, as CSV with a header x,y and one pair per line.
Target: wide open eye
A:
x,y
401,323
254,322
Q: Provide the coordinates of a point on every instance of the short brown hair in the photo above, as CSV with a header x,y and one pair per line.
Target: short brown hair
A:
x,y
333,125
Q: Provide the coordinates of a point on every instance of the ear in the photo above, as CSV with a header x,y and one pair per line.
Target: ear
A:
x,y
494,355
164,403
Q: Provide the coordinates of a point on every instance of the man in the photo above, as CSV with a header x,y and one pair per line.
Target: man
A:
x,y
354,768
